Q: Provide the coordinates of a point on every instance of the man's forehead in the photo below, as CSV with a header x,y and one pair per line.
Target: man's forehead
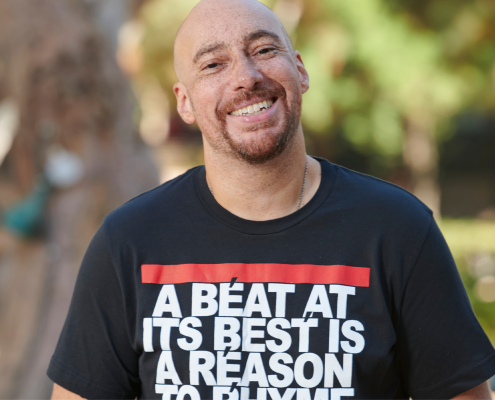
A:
x,y
224,23
214,22
214,44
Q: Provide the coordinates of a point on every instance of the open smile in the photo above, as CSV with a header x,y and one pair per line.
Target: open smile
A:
x,y
254,108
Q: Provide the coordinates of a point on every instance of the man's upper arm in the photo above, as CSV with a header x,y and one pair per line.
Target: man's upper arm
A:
x,y
441,348
480,392
59,393
94,356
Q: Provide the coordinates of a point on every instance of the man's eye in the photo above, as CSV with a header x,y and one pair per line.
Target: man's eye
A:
x,y
211,66
264,51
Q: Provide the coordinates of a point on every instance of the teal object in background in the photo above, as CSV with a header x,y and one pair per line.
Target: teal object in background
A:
x,y
25,219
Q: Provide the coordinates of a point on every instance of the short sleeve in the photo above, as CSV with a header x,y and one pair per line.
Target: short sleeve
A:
x,y
94,357
442,350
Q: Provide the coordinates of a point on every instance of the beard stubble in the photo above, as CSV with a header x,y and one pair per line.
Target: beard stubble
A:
x,y
271,145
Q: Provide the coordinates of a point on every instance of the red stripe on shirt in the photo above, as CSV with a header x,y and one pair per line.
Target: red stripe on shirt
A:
x,y
250,273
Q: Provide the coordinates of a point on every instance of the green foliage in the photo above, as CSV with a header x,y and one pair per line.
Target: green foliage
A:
x,y
376,130
417,60
161,20
401,73
405,64
466,238
386,128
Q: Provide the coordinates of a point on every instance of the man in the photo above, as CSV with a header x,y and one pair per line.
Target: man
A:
x,y
266,274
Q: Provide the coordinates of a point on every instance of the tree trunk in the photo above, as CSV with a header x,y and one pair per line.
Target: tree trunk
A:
x,y
58,68
421,158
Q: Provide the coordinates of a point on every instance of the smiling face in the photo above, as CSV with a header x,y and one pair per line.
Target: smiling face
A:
x,y
240,79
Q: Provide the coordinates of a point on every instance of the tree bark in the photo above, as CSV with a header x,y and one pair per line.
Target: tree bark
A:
x,y
58,67
421,158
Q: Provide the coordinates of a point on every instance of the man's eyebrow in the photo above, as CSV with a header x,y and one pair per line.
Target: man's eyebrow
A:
x,y
262,33
207,49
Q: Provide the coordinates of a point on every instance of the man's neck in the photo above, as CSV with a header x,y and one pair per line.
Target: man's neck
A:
x,y
265,191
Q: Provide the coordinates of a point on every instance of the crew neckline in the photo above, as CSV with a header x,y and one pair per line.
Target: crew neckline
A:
x,y
328,175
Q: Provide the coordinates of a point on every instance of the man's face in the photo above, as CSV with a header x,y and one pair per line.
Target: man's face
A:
x,y
244,83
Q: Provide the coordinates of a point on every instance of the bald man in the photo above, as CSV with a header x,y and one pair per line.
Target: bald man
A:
x,y
266,273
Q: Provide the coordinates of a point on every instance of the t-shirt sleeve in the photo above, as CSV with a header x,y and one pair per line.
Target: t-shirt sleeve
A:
x,y
442,350
94,357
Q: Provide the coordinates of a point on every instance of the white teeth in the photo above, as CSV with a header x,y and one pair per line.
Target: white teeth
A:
x,y
254,109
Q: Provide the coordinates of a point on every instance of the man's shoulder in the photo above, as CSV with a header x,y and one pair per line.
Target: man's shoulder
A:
x,y
379,216
154,205
376,198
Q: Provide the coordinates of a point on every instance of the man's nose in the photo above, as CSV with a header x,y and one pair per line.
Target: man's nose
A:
x,y
245,74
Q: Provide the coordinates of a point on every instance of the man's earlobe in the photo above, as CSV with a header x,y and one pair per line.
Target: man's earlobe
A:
x,y
184,106
302,71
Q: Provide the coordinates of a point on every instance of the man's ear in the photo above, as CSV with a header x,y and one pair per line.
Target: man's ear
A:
x,y
184,106
303,74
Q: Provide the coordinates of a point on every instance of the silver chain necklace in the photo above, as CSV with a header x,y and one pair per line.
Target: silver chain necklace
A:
x,y
304,183
302,189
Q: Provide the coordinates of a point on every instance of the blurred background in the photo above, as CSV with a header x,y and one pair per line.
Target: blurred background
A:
x,y
402,90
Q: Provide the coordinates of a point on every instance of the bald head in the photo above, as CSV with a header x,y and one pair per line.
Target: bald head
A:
x,y
210,20
240,80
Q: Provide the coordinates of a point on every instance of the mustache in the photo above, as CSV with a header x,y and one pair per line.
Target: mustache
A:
x,y
257,93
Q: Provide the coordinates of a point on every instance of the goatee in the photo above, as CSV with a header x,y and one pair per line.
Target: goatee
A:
x,y
271,145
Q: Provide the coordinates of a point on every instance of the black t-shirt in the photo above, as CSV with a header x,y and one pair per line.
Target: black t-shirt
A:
x,y
355,295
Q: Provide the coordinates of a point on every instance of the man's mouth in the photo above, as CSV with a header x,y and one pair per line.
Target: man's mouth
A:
x,y
254,109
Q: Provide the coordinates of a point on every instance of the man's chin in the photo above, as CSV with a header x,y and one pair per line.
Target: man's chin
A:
x,y
260,143
261,151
